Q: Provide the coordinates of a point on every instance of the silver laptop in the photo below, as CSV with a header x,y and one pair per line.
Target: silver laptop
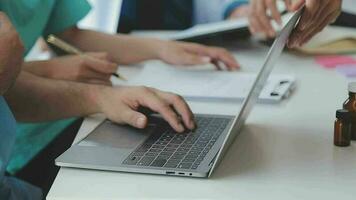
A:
x,y
158,149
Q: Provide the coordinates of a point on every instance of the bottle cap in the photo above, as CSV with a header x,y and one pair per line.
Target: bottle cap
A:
x,y
352,87
345,115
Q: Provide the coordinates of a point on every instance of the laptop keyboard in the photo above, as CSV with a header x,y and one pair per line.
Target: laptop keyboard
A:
x,y
179,150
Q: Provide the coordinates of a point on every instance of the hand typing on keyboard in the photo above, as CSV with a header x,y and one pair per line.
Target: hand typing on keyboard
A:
x,y
121,105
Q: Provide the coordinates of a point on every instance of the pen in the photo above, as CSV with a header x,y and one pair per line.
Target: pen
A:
x,y
72,50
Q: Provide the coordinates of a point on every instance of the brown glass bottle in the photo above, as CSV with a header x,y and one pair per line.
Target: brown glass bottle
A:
x,y
342,128
350,105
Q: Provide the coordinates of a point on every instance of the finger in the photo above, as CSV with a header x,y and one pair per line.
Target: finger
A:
x,y
272,6
225,57
299,37
133,118
315,26
92,74
101,66
288,4
311,10
296,5
253,25
319,28
97,82
155,103
215,54
217,65
264,21
180,106
320,14
194,59
298,31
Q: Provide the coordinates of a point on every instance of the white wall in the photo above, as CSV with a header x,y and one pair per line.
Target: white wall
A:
x,y
103,16
349,5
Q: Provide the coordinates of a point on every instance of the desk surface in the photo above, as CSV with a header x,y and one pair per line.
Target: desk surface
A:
x,y
284,151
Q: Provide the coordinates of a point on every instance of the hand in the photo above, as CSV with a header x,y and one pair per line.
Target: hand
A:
x,y
240,12
121,105
183,53
316,15
11,54
94,68
260,21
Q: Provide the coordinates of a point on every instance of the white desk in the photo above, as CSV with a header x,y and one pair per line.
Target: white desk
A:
x,y
285,151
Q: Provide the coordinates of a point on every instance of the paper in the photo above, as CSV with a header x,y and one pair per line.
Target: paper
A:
x,y
208,84
333,61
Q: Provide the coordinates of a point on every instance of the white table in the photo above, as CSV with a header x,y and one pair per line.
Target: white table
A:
x,y
285,151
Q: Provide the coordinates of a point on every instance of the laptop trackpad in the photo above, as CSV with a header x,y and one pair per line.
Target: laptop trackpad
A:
x,y
109,134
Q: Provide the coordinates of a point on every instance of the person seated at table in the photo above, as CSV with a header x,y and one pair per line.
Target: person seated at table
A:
x,y
176,14
34,98
58,104
11,59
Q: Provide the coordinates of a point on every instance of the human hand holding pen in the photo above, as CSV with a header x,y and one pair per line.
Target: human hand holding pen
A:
x,y
96,67
93,68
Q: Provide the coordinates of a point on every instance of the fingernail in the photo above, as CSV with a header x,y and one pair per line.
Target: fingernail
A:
x,y
141,122
180,128
206,59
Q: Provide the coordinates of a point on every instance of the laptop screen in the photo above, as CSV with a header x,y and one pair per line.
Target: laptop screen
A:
x,y
261,79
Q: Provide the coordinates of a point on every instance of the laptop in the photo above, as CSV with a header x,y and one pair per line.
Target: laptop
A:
x,y
158,149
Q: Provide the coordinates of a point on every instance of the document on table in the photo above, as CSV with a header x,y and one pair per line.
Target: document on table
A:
x,y
203,84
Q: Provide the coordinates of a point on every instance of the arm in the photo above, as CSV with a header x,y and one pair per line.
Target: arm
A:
x,y
34,99
127,49
123,49
39,99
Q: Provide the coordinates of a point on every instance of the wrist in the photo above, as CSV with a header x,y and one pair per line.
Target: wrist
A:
x,y
156,48
96,96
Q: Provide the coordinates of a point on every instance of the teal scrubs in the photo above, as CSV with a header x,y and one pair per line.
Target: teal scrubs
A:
x,y
33,19
11,188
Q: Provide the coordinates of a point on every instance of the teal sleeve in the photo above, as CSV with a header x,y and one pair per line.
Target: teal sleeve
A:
x,y
231,6
66,13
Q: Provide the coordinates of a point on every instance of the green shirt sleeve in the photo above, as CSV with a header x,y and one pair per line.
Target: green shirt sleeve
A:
x,y
66,13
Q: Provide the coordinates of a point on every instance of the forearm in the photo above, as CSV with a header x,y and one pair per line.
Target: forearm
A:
x,y
35,99
122,48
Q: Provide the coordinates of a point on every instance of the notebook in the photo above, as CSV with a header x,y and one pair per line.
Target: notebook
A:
x,y
332,40
208,84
